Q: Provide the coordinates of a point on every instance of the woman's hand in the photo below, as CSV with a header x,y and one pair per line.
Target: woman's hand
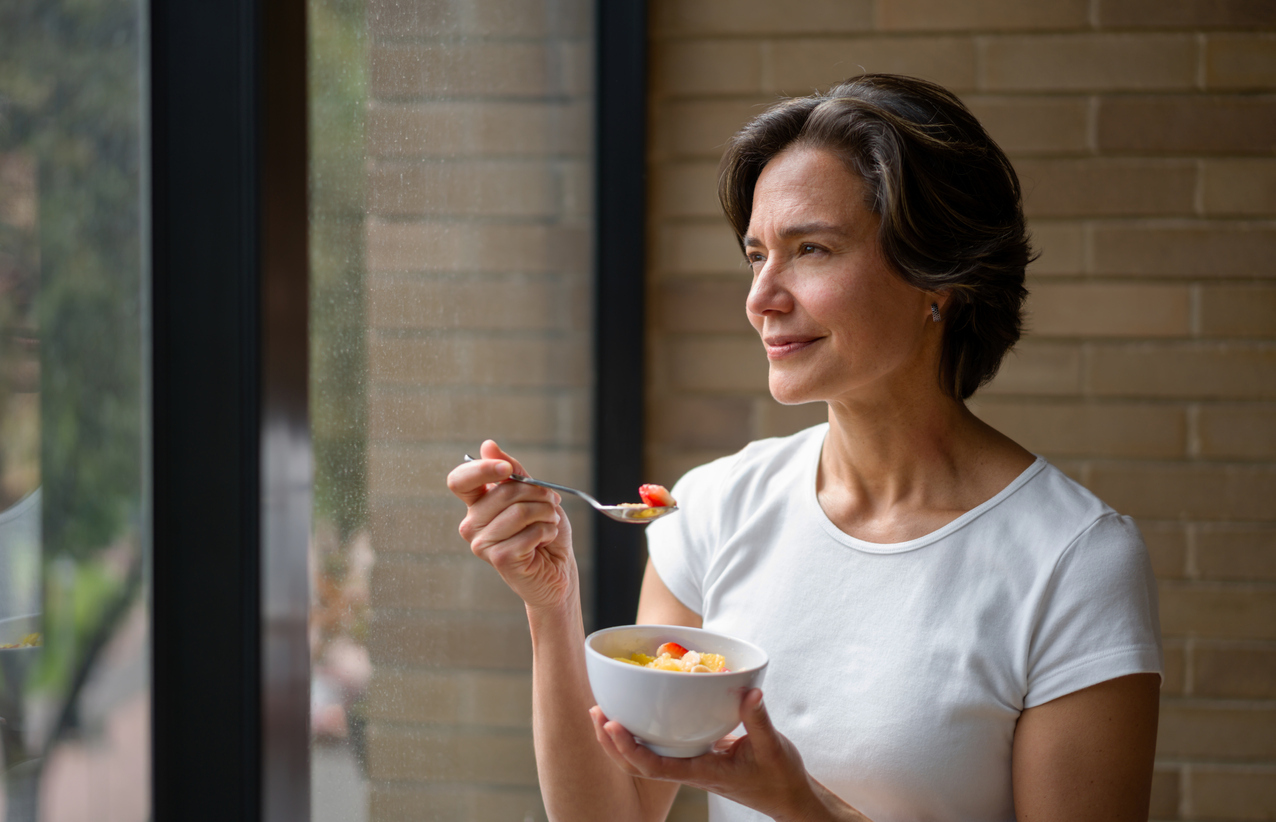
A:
x,y
761,770
519,529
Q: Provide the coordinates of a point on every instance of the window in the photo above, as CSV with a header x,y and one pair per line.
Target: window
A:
x,y
74,349
451,298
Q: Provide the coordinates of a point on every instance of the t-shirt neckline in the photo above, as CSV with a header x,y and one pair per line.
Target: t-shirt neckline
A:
x,y
812,498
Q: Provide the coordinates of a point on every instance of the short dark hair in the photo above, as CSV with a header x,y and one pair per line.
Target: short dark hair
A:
x,y
949,201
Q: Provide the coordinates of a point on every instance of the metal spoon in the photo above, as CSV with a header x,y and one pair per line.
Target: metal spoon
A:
x,y
633,514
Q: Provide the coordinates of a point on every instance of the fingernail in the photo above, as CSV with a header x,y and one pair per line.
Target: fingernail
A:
x,y
504,468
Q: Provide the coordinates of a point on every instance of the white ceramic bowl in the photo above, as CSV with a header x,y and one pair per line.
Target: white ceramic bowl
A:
x,y
672,713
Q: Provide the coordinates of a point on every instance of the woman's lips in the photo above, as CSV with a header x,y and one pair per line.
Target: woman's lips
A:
x,y
780,347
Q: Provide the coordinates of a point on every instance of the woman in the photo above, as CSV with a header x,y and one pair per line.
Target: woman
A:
x,y
956,629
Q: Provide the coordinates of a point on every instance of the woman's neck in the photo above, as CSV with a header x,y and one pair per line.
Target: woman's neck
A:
x,y
897,468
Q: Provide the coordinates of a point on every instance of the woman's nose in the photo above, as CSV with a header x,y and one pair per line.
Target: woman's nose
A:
x,y
767,293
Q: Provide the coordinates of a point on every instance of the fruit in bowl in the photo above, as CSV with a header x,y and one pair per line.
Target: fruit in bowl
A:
x,y
672,712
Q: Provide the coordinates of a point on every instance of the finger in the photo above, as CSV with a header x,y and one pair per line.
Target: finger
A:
x,y
506,510
517,532
757,722
503,494
499,498
605,742
725,744
522,557
491,451
470,480
644,761
514,518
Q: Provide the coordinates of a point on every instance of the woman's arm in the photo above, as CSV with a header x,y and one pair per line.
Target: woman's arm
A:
x,y
522,531
1088,755
577,780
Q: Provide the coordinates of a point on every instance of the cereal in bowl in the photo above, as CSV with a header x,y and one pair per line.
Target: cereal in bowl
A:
x,y
673,657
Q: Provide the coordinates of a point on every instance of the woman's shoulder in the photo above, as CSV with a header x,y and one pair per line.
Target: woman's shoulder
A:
x,y
1066,493
759,462
716,497
1062,512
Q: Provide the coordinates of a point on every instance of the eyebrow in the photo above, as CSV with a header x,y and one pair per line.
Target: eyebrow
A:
x,y
802,230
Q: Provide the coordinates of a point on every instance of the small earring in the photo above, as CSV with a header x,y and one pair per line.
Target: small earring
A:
x,y
934,312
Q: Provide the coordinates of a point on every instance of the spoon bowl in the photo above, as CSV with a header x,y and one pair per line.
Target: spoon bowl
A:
x,y
632,513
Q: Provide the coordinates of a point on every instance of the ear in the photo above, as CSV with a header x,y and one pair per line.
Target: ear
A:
x,y
940,301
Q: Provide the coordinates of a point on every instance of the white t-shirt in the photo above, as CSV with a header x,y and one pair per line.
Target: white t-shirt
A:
x,y
899,670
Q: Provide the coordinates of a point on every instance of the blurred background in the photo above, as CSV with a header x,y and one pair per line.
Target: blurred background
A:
x,y
452,279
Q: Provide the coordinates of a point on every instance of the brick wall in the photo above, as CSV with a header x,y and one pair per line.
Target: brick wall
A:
x,y
1144,132
477,292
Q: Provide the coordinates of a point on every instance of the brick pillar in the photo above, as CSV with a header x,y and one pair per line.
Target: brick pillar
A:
x,y
478,326
1143,132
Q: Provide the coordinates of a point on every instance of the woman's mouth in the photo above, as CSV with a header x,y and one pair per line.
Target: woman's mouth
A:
x,y
780,347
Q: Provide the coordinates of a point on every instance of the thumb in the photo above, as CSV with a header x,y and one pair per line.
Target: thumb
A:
x,y
757,722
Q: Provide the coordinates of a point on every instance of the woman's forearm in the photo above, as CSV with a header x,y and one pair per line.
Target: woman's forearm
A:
x,y
577,780
822,805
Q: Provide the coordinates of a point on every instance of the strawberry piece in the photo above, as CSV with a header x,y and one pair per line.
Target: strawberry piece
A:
x,y
673,649
656,496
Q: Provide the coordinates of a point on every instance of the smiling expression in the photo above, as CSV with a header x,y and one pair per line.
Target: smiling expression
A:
x,y
836,322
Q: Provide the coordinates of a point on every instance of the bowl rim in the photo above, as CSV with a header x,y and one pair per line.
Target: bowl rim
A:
x,y
589,649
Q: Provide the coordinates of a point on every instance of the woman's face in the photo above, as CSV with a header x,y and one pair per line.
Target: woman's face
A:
x,y
836,322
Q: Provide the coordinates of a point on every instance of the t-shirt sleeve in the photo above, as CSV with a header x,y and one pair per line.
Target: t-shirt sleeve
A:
x,y
1097,618
681,544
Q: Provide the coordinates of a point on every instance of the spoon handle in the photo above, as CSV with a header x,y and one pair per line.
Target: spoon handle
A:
x,y
563,488
632,514
544,484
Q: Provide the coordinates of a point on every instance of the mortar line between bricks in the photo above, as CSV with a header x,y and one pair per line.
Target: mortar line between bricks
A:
x,y
1088,30
401,668
1170,463
1257,586
515,615
1262,766
1193,431
980,45
1192,569
1189,666
512,731
539,100
380,161
1185,791
460,220
1260,706
1257,767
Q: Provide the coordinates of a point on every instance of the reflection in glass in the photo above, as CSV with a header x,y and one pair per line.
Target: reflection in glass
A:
x,y
450,217
75,709
340,552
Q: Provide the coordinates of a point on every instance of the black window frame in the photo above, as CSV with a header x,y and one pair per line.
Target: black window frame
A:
x,y
230,445
620,214
230,450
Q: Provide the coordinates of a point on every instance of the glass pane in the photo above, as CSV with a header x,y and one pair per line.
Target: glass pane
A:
x,y
76,706
451,222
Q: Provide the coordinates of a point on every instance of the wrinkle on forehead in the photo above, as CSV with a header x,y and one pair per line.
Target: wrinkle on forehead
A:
x,y
816,228
807,191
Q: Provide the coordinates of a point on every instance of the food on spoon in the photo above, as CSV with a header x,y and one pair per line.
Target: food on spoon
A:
x,y
673,657
656,496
